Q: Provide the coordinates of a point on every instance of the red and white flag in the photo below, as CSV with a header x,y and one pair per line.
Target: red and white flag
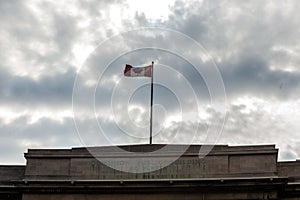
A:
x,y
138,71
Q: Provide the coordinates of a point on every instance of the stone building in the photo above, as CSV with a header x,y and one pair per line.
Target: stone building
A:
x,y
226,172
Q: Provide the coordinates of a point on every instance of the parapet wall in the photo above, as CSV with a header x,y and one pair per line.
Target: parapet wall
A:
x,y
222,161
11,172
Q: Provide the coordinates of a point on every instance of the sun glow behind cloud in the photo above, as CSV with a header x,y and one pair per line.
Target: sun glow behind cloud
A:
x,y
153,10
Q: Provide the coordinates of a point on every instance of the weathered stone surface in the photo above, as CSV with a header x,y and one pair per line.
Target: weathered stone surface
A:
x,y
253,164
10,172
51,167
222,161
289,169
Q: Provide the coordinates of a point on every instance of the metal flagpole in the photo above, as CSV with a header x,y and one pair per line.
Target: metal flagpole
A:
x,y
151,102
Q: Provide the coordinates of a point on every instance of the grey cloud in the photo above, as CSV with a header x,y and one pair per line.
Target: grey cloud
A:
x,y
255,126
23,33
243,126
243,43
251,75
54,29
53,90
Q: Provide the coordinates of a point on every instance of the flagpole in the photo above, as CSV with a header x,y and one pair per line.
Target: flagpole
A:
x,y
151,102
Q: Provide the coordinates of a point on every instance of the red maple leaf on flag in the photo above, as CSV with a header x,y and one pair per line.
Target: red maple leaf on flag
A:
x,y
137,70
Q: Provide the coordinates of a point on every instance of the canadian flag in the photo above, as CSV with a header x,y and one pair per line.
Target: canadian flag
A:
x,y
138,71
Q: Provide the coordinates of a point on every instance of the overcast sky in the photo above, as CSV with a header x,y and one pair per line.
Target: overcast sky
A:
x,y
52,64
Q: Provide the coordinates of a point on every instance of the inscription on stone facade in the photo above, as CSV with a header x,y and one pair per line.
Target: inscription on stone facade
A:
x,y
181,168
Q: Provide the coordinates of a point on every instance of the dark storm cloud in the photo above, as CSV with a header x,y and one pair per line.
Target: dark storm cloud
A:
x,y
53,90
251,75
241,37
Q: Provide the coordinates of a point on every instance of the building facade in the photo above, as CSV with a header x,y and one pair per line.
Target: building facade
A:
x,y
226,172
